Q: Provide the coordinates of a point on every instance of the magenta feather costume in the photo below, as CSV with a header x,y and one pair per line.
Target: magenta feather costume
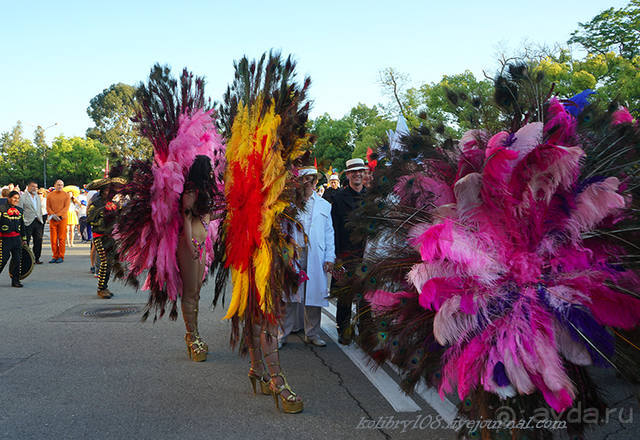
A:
x,y
517,263
180,128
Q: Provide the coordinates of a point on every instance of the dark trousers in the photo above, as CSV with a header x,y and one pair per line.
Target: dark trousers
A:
x,y
104,269
84,233
35,230
352,289
11,247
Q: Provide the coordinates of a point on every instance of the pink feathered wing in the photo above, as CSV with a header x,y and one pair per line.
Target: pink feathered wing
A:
x,y
196,136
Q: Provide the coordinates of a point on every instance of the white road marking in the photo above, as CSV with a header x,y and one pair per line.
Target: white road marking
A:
x,y
388,387
380,379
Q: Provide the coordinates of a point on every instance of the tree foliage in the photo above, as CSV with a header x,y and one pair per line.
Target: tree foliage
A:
x,y
333,145
370,128
75,160
612,76
338,140
111,112
616,30
20,160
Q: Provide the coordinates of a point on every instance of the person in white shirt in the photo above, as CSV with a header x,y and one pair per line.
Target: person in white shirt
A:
x,y
317,256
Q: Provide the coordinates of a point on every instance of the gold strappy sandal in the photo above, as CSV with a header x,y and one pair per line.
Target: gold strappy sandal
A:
x,y
289,404
196,347
264,383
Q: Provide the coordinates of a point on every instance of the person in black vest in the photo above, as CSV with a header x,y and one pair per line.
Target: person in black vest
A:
x,y
12,233
101,215
348,251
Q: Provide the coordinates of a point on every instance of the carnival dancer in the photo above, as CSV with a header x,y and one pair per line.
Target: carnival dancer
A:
x,y
12,233
169,223
506,265
102,215
264,116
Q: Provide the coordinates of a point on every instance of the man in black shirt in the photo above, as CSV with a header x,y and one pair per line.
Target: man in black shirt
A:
x,y
350,252
332,189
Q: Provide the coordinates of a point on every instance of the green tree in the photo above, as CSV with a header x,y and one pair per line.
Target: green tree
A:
x,y
76,160
111,112
20,160
612,76
615,30
39,139
338,140
458,103
334,143
370,128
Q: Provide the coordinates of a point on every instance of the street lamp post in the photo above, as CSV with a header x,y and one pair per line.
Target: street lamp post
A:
x,y
44,158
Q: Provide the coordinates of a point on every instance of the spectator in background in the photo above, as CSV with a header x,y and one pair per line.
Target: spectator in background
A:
x,y
72,219
93,257
348,250
33,221
82,215
367,179
42,193
332,189
58,209
5,195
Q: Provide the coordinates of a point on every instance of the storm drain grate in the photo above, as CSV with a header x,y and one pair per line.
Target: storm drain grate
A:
x,y
103,313
110,312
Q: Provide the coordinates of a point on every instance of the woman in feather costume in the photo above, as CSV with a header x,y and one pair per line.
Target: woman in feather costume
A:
x,y
169,224
506,265
263,116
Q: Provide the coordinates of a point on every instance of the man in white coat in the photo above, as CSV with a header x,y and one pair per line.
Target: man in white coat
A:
x,y
316,259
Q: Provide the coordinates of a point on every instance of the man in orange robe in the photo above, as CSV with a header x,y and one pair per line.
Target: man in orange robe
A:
x,y
57,207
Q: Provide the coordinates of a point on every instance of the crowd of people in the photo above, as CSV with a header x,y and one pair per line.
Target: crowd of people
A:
x,y
24,216
471,264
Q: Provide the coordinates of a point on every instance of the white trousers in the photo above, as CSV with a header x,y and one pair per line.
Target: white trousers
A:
x,y
299,316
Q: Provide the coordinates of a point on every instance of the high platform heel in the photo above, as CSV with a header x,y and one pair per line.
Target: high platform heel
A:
x,y
196,347
264,383
289,404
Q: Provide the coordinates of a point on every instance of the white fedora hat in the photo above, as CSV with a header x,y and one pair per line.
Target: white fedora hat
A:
x,y
355,165
305,171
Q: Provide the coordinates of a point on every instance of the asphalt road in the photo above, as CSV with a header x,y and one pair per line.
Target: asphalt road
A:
x,y
73,366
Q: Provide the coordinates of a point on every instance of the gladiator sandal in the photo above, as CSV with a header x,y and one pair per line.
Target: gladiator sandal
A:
x,y
289,403
196,347
257,375
197,333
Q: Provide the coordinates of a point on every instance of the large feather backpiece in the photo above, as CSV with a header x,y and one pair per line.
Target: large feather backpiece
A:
x,y
180,127
263,115
501,267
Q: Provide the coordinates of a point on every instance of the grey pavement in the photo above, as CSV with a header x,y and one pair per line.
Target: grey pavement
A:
x,y
73,366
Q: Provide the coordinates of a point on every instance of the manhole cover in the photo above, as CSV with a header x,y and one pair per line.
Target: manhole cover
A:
x,y
100,313
110,312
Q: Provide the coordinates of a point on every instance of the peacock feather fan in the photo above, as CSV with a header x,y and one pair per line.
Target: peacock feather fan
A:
x,y
263,117
175,118
502,267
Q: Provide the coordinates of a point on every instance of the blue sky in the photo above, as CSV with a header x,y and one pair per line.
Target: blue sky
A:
x,y
56,55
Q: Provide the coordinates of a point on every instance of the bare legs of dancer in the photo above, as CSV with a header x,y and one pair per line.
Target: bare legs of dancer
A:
x,y
265,343
191,272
